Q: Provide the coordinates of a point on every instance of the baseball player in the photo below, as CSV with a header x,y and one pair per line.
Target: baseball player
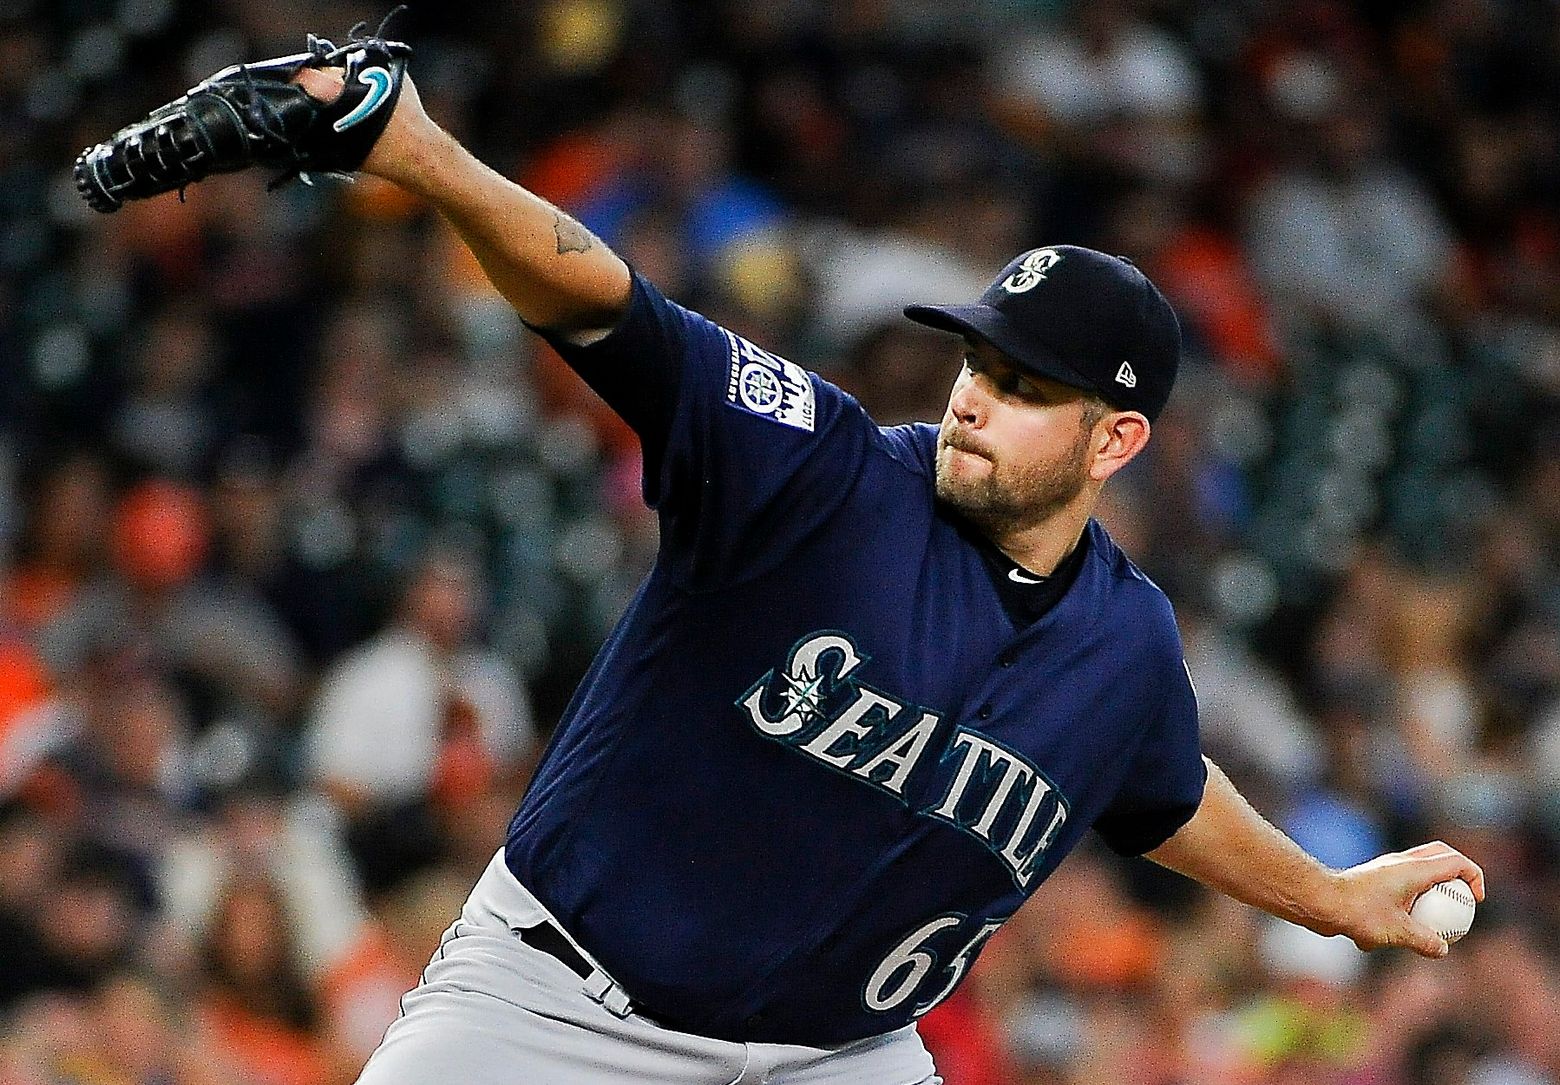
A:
x,y
879,682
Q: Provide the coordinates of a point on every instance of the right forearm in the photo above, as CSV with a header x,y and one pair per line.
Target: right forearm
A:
x,y
1228,846
554,272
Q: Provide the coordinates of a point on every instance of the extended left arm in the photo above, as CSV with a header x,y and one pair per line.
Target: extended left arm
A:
x,y
1228,846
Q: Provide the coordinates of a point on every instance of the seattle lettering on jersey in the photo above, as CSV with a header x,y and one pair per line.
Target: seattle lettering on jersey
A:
x,y
818,708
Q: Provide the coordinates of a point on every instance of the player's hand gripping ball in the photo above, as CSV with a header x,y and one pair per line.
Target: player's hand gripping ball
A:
x,y
1446,908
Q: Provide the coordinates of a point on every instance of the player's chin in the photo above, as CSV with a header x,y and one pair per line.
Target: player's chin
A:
x,y
965,482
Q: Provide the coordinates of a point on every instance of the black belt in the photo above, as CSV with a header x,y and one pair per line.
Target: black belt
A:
x,y
550,940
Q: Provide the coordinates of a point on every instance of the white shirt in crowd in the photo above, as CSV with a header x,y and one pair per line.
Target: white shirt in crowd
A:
x,y
377,721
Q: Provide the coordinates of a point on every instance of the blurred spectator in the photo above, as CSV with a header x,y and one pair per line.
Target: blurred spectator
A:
x,y
61,544
167,426
71,928
129,751
1102,63
1341,233
901,373
324,605
866,278
1245,710
420,724
256,1001
693,181
28,719
217,638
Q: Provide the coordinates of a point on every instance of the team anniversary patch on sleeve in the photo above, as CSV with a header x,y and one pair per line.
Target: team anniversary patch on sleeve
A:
x,y
767,385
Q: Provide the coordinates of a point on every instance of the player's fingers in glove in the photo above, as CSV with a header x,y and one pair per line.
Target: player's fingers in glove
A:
x,y
323,84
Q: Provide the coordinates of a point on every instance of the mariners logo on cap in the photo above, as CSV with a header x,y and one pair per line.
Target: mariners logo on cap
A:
x,y
1031,270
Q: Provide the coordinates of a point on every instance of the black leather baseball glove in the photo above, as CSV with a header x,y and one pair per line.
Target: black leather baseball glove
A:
x,y
254,115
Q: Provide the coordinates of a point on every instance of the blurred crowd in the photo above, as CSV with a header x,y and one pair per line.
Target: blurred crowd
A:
x,y
304,540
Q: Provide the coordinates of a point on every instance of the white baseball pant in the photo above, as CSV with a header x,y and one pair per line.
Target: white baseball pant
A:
x,y
492,1010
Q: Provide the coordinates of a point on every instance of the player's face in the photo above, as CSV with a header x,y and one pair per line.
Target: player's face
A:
x,y
1013,447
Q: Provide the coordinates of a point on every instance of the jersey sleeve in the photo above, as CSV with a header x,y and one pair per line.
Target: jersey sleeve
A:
x,y
636,368
745,452
1164,783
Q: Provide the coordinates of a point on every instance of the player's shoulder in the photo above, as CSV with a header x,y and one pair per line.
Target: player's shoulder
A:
x,y
912,445
1140,608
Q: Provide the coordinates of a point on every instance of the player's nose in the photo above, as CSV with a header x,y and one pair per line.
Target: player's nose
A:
x,y
968,402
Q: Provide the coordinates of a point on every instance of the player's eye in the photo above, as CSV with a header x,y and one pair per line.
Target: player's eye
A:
x,y
973,363
1016,383
1004,379
1007,381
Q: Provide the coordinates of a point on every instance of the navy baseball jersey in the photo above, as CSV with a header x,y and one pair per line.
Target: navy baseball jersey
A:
x,y
818,762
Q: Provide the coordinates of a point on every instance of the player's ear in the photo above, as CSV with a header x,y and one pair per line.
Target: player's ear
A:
x,y
1117,437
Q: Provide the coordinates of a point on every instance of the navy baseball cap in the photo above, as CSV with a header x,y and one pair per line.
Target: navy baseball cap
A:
x,y
1079,316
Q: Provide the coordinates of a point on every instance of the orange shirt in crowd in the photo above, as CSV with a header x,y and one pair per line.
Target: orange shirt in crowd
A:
x,y
268,1051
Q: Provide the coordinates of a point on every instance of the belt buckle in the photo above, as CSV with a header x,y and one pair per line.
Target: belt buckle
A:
x,y
603,989
600,987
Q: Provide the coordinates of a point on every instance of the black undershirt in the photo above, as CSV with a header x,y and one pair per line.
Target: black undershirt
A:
x,y
1026,598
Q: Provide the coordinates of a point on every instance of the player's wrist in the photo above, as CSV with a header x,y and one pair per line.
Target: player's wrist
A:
x,y
410,144
416,156
1325,904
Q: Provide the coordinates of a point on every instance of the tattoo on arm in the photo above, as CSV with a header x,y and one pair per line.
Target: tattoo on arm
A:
x,y
572,237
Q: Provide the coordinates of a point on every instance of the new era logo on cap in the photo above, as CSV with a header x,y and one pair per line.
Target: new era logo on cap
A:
x,y
1078,316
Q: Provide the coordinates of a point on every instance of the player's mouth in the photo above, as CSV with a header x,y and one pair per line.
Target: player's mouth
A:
x,y
962,442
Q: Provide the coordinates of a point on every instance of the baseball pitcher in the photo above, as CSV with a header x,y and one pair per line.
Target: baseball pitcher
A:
x,y
878,684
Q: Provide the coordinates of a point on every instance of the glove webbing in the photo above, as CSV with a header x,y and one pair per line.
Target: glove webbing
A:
x,y
178,148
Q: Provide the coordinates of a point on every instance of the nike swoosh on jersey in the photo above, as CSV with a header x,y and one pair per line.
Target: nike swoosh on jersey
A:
x,y
1018,576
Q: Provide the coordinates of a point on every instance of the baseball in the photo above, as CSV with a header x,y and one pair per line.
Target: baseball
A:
x,y
1447,908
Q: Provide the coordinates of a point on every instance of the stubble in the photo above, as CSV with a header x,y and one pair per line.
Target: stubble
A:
x,y
1008,496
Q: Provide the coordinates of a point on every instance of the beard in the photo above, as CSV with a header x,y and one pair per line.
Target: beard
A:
x,y
1008,497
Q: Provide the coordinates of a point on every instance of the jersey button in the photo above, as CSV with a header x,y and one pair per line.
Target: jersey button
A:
x,y
985,712
1006,660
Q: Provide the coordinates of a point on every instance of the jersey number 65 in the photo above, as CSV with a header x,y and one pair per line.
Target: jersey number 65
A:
x,y
910,962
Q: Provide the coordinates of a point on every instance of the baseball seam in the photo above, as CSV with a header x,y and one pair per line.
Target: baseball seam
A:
x,y
1456,892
